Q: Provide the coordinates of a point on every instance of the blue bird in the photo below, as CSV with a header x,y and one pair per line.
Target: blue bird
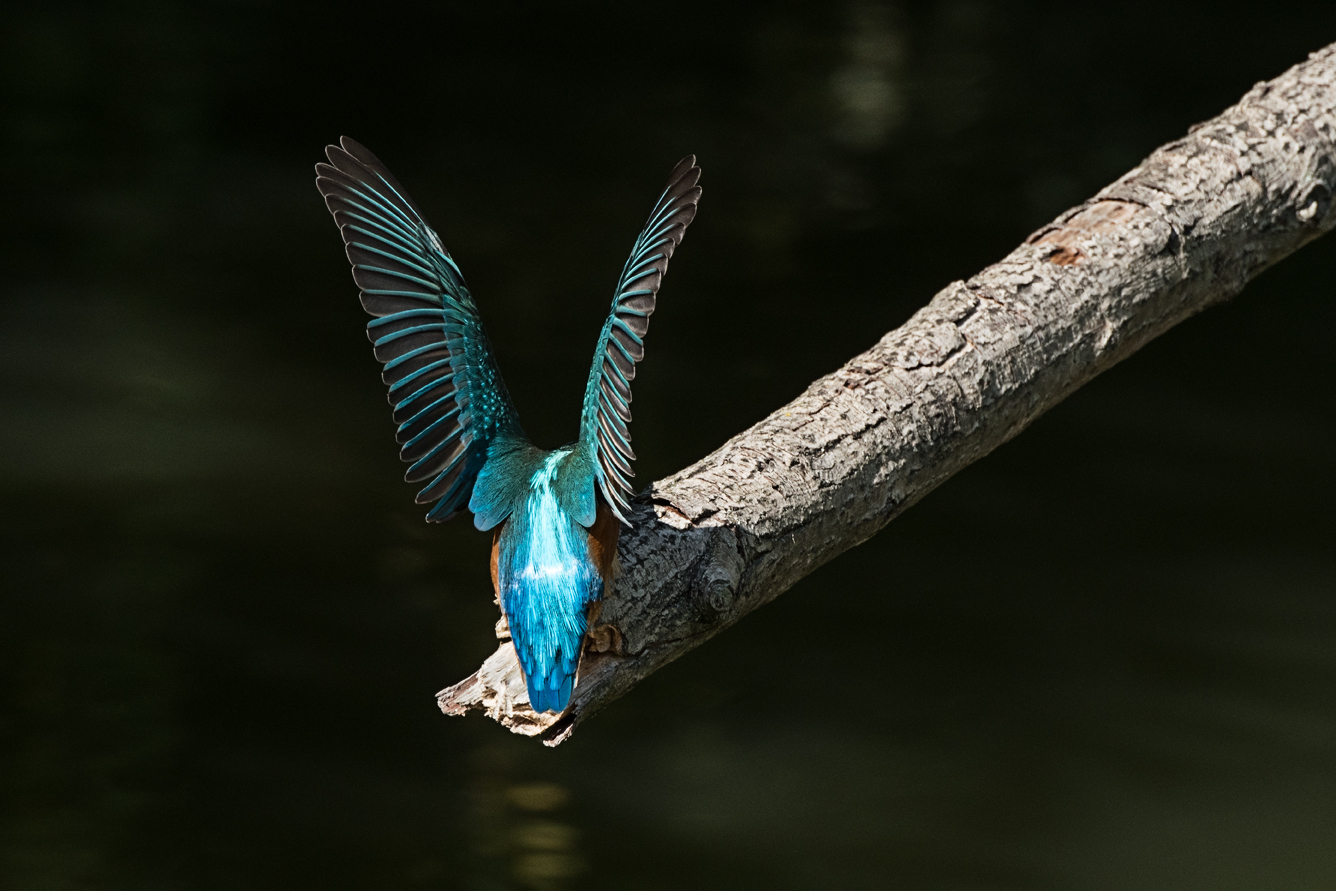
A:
x,y
555,514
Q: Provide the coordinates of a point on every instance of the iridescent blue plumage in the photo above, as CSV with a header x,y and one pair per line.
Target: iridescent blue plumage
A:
x,y
547,581
555,514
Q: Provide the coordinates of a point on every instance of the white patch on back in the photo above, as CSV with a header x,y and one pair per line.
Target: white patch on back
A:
x,y
551,551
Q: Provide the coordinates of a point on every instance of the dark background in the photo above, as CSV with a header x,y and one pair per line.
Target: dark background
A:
x,y
1103,658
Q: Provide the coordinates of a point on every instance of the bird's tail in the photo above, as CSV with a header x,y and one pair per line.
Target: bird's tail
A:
x,y
551,693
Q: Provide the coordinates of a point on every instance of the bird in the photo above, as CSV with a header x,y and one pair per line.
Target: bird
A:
x,y
555,514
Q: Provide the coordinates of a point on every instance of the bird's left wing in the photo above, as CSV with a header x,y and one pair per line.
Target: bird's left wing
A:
x,y
449,400
621,344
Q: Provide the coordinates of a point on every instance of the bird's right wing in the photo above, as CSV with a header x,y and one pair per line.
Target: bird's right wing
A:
x,y
449,400
607,402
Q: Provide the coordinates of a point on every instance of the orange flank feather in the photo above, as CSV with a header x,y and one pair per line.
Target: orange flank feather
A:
x,y
603,544
603,552
496,552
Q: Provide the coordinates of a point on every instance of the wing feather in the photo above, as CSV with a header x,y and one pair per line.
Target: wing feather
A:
x,y
607,402
448,397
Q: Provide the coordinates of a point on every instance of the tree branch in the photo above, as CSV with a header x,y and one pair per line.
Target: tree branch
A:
x,y
1186,229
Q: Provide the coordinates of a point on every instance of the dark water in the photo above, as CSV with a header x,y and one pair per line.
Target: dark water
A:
x,y
1103,658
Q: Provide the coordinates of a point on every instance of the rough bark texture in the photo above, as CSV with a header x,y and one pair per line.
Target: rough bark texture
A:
x,y
1183,231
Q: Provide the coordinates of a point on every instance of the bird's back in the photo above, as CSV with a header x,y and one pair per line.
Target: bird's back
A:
x,y
550,569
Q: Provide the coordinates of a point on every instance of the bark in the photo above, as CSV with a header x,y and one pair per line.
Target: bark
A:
x,y
1184,230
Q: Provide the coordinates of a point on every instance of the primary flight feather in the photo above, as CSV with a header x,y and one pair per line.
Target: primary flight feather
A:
x,y
555,514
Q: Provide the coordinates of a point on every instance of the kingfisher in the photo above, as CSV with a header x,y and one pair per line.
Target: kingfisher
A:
x,y
555,515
